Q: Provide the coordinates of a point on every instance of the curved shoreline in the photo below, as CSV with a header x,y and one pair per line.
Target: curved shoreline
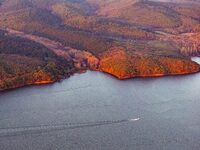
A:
x,y
90,62
157,75
119,78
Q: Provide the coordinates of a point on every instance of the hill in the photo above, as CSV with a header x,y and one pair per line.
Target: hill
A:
x,y
43,41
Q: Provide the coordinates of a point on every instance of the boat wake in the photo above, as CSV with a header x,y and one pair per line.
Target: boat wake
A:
x,y
4,132
136,119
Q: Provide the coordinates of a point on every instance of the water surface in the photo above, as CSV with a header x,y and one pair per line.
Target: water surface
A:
x,y
92,111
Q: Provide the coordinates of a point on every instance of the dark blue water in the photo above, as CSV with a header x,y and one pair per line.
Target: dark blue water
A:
x,y
92,111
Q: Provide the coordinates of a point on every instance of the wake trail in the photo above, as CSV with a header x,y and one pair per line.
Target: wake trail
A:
x,y
4,132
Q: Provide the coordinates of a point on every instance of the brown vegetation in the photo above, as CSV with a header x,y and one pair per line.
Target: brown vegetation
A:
x,y
126,38
123,64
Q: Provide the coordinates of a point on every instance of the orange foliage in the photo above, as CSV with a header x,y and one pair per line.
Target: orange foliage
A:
x,y
124,65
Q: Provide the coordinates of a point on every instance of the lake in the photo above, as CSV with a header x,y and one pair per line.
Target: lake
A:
x,y
95,111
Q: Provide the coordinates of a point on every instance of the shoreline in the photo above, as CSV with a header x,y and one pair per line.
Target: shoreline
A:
x,y
116,77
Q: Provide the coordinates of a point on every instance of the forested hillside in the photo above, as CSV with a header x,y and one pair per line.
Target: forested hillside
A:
x,y
42,41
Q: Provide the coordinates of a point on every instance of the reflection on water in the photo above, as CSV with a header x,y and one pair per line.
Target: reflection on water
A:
x,y
96,111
